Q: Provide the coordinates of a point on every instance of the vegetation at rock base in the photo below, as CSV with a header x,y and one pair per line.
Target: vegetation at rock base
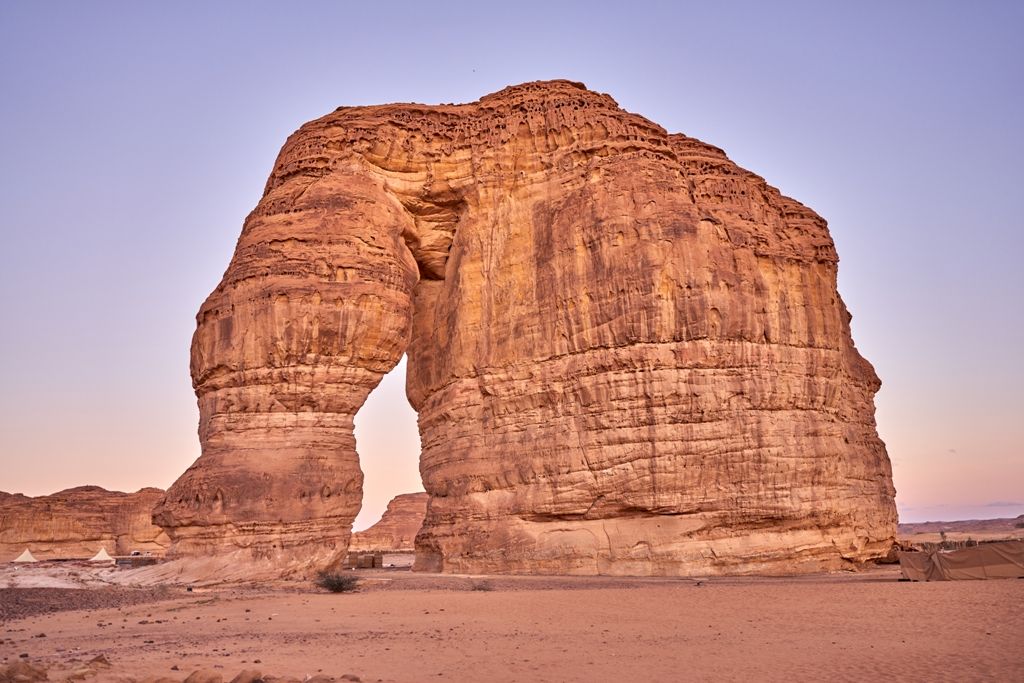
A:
x,y
337,583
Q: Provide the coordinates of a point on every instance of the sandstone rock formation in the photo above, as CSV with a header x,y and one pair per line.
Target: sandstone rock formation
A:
x,y
397,528
628,354
77,522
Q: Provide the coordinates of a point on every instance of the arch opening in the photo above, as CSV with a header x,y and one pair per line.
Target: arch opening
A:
x,y
388,446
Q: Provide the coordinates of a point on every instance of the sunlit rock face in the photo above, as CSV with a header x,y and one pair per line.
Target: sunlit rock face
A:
x,y
628,355
76,523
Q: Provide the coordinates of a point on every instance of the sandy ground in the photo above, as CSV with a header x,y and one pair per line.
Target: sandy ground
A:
x,y
401,626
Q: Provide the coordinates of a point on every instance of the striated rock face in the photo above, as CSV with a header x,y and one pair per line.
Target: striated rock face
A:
x,y
397,528
628,354
77,522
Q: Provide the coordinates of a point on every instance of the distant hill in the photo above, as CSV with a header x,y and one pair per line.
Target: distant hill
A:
x,y
77,522
977,529
397,529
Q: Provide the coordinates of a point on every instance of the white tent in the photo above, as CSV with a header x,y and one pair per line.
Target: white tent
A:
x,y
26,557
102,556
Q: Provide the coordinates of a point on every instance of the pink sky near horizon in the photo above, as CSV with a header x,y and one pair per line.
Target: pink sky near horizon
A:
x,y
137,137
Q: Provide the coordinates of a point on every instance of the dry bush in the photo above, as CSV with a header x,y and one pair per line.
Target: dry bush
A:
x,y
337,583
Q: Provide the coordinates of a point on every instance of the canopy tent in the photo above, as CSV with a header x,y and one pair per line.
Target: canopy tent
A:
x,y
1002,560
26,557
102,556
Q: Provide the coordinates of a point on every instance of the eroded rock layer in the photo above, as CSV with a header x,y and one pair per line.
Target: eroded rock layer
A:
x,y
628,354
77,522
397,528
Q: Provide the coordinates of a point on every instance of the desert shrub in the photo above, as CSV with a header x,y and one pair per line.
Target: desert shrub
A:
x,y
337,583
482,586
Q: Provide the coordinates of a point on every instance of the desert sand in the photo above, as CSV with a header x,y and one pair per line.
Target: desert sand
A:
x,y
401,626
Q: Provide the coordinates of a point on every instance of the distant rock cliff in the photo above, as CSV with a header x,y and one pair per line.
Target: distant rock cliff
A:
x,y
397,528
77,522
628,354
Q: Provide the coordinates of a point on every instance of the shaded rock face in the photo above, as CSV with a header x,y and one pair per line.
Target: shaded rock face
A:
x,y
77,522
397,528
628,355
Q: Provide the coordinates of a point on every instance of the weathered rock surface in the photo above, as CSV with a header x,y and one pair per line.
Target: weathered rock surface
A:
x,y
628,354
397,527
77,522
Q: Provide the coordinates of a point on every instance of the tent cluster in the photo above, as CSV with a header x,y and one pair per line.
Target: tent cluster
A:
x,y
1002,560
101,556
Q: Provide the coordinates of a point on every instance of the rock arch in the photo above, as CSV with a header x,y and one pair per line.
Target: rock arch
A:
x,y
628,355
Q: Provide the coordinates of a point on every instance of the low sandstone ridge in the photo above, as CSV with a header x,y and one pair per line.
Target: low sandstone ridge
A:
x,y
628,354
77,522
397,527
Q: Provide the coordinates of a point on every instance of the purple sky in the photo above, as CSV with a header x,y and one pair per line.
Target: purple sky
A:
x,y
137,136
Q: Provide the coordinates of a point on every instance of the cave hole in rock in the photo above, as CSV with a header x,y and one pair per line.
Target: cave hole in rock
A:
x,y
388,444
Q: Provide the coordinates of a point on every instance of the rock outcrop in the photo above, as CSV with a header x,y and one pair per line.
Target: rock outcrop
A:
x,y
628,354
398,526
77,522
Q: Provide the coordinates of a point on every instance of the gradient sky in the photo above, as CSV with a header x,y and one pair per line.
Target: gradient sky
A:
x,y
137,136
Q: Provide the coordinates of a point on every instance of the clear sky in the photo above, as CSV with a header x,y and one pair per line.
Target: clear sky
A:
x,y
136,136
